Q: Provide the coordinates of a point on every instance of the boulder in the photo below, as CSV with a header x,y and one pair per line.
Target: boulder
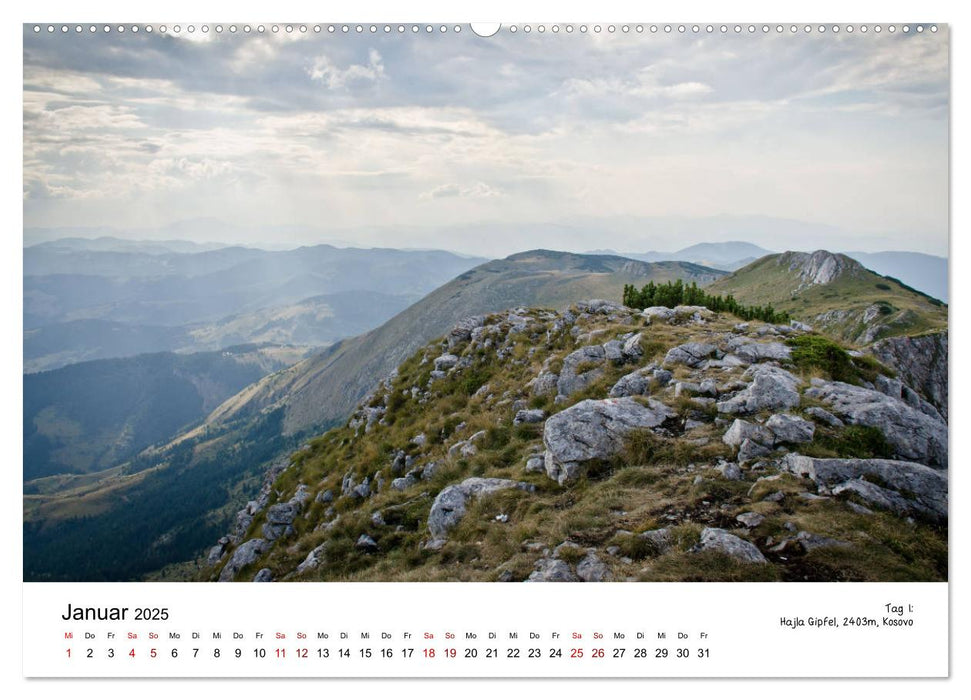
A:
x,y
403,483
636,383
536,464
535,415
750,519
445,362
750,450
921,362
751,351
914,435
263,576
215,554
614,351
771,388
366,543
552,570
659,541
786,428
718,540
742,430
573,376
244,555
729,471
632,350
657,313
901,486
690,354
593,431
600,306
314,559
545,384
449,506
279,520
591,569
824,416
463,331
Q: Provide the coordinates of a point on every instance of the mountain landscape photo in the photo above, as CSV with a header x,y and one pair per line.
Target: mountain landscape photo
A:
x,y
349,308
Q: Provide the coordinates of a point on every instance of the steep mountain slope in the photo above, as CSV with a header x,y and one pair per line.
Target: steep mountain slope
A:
x,y
607,444
834,294
328,386
95,415
314,322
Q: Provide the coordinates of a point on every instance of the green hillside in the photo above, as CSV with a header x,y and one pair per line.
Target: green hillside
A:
x,y
834,294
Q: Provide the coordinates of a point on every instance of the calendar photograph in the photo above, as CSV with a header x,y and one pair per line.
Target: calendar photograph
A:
x,y
413,303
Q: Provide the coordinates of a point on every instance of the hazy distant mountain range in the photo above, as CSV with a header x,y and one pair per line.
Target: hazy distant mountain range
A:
x,y
87,299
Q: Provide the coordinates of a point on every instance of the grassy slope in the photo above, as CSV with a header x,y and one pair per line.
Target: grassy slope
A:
x,y
646,488
904,311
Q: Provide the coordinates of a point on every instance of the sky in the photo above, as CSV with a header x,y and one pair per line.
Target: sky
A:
x,y
631,142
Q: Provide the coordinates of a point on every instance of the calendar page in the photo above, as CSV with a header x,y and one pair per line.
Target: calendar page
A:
x,y
518,350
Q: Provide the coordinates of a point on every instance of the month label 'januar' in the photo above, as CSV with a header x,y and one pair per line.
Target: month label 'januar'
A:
x,y
402,630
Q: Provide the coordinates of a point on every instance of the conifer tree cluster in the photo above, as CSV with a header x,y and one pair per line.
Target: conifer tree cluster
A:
x,y
675,293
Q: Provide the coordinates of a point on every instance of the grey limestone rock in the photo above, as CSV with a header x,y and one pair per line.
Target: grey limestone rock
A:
x,y
771,388
790,429
903,486
591,569
690,354
592,431
824,416
450,505
574,376
913,434
750,519
716,539
244,555
554,570
263,576
534,415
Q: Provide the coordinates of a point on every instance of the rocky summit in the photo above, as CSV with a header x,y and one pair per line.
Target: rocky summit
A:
x,y
606,443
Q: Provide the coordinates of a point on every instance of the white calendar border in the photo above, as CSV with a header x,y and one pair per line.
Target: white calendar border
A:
x,y
511,10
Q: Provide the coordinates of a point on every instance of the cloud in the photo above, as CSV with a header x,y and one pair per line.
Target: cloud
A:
x,y
477,190
372,130
323,70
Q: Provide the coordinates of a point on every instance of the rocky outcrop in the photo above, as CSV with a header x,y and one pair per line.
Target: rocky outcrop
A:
x,y
450,505
903,487
819,267
771,388
690,354
715,539
921,362
913,434
593,431
552,570
752,352
244,555
580,369
789,429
